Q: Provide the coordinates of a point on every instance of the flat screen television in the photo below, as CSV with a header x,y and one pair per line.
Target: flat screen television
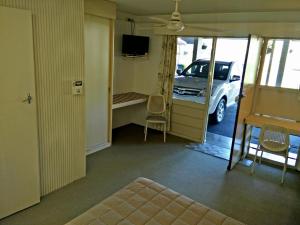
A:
x,y
133,45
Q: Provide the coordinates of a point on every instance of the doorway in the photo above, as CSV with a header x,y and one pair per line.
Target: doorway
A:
x,y
98,62
231,53
191,82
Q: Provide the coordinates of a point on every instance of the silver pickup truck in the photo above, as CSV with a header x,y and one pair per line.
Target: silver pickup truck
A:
x,y
226,85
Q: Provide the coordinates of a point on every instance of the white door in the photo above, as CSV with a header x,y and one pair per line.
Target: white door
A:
x,y
245,99
97,61
19,168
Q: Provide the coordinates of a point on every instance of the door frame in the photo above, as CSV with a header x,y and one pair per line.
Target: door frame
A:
x,y
209,86
241,95
111,22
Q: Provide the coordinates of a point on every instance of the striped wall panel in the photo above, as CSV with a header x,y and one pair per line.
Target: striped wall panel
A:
x,y
59,59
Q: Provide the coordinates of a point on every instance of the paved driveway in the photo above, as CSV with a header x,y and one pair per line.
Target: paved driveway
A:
x,y
225,128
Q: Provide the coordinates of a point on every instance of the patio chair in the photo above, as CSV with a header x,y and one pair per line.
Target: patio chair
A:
x,y
156,109
275,140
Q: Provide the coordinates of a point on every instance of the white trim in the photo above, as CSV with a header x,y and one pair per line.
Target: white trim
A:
x,y
96,148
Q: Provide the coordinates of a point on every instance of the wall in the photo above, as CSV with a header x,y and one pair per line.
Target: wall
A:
x,y
146,70
134,74
102,8
123,79
59,59
145,75
124,67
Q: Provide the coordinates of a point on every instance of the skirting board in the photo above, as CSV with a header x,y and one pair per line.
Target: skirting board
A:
x,y
96,148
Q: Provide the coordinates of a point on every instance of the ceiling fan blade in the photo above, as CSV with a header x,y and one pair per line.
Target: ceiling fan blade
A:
x,y
152,27
159,25
158,19
205,28
145,28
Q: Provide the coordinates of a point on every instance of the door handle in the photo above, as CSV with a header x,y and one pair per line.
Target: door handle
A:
x,y
239,97
242,95
28,99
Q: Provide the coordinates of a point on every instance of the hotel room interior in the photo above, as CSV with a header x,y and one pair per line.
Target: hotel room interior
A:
x,y
149,112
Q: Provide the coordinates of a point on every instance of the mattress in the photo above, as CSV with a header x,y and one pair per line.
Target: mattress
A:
x,y
145,202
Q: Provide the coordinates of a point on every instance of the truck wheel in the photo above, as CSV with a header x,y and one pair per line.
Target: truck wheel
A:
x,y
219,114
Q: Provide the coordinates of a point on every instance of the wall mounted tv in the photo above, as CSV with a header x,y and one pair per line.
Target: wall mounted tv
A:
x,y
133,45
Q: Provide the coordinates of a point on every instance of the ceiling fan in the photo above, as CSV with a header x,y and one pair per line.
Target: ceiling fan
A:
x,y
175,23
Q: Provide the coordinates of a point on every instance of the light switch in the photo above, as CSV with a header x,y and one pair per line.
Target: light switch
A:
x,y
77,87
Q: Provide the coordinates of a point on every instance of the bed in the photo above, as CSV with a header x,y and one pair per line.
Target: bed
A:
x,y
145,202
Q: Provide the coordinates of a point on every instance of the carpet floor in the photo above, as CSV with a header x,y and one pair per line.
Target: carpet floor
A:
x,y
255,200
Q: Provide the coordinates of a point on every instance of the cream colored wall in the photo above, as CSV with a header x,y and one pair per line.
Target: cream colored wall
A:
x,y
103,8
134,74
145,75
124,67
267,100
146,70
123,79
59,60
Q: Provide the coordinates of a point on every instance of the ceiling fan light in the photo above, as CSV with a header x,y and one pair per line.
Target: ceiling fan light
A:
x,y
175,26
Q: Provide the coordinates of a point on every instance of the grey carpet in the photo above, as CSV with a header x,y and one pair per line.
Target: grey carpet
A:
x,y
256,200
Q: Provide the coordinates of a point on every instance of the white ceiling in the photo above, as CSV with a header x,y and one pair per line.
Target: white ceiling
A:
x,y
152,7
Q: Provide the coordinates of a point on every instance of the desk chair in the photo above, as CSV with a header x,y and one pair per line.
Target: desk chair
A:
x,y
156,109
275,140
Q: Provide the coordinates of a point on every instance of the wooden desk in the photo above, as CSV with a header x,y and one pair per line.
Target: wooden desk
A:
x,y
258,121
127,99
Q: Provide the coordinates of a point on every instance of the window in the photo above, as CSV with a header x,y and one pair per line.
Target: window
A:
x,y
282,65
200,68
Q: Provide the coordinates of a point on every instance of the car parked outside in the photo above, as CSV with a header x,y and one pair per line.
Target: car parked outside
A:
x,y
226,85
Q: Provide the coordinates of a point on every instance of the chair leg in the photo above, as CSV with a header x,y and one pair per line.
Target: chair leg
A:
x,y
249,143
145,131
165,129
254,162
284,169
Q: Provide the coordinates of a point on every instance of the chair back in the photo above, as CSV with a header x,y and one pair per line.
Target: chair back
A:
x,y
274,138
156,104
